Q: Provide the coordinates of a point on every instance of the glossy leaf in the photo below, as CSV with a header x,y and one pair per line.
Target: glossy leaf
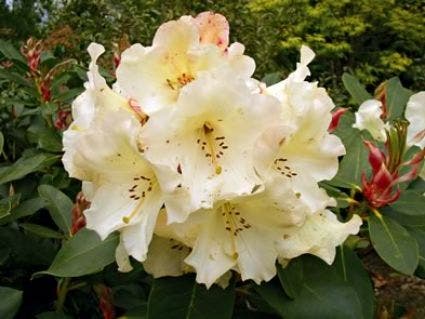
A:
x,y
182,297
419,236
353,273
410,203
323,293
41,231
24,166
355,88
59,206
397,97
394,244
291,278
83,254
10,301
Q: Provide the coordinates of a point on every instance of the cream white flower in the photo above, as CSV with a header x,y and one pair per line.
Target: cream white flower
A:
x,y
300,151
239,234
122,186
181,51
368,117
97,99
319,235
166,258
209,138
415,114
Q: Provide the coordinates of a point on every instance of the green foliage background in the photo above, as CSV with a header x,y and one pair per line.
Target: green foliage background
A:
x,y
374,40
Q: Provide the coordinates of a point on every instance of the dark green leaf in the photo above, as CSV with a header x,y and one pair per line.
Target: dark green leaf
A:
x,y
416,221
27,249
182,297
41,231
14,77
352,271
10,52
10,301
354,163
24,166
397,97
322,294
410,203
129,296
69,95
59,206
291,278
28,207
136,313
83,254
355,88
419,236
5,207
394,244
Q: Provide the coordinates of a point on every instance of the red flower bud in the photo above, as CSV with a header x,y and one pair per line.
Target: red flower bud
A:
x,y
376,157
336,116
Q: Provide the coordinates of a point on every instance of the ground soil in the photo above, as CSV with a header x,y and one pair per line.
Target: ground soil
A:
x,y
397,295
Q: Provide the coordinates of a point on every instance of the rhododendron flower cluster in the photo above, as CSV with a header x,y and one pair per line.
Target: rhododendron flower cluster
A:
x,y
200,167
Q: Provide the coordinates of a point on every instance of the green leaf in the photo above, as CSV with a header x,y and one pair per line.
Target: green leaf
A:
x,y
28,207
410,203
353,273
25,166
394,244
291,278
322,293
419,236
136,313
69,95
182,297
10,301
59,206
14,77
355,88
354,163
83,254
49,140
27,249
5,207
397,97
10,52
41,231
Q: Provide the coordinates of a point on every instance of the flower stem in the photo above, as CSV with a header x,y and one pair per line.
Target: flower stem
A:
x,y
62,292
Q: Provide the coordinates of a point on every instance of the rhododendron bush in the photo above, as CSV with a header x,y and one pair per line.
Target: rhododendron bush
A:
x,y
201,192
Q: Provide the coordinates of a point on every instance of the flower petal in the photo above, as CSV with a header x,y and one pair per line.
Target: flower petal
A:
x,y
320,235
166,258
212,255
415,114
368,117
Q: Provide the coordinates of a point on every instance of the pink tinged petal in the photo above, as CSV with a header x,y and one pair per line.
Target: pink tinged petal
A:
x,y
213,28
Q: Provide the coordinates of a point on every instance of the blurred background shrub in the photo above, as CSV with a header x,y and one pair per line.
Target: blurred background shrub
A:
x,y
372,39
